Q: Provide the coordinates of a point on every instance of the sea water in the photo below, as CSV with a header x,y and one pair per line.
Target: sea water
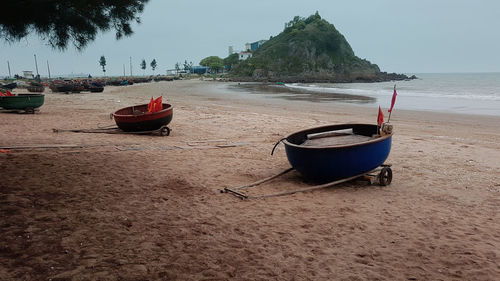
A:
x,y
463,93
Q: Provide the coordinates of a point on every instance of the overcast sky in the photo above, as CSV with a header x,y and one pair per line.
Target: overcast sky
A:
x,y
403,36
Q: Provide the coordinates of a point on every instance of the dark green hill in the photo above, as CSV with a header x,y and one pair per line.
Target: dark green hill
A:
x,y
309,50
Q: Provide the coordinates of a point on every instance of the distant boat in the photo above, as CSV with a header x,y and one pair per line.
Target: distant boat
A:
x,y
9,86
96,89
64,88
77,88
36,88
61,86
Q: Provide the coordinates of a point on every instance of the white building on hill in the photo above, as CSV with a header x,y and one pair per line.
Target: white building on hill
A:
x,y
244,55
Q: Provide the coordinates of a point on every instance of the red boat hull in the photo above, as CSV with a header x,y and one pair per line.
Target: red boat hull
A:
x,y
137,119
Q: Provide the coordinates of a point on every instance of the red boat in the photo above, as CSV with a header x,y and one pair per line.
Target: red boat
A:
x,y
138,119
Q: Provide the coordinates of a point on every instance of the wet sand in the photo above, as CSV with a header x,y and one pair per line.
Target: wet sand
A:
x,y
78,206
294,94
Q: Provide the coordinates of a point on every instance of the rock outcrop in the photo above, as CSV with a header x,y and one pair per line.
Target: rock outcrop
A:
x,y
309,50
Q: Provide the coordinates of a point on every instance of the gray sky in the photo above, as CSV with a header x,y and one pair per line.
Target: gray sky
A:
x,y
400,36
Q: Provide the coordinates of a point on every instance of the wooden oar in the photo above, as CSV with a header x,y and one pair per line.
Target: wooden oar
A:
x,y
336,133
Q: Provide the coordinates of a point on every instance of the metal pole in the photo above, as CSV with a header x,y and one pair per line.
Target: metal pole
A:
x,y
48,68
131,66
8,66
123,70
36,65
389,119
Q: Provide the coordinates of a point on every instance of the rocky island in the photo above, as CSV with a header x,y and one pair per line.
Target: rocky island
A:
x,y
309,50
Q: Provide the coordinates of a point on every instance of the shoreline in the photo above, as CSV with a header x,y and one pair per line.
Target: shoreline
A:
x,y
277,95
104,206
344,98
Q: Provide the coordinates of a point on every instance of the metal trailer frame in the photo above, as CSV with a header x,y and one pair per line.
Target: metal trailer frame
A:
x,y
382,175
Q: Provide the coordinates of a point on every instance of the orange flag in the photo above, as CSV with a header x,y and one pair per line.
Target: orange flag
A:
x,y
155,105
158,104
380,118
150,105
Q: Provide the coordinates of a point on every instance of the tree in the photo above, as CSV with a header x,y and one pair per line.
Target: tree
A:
x,y
214,62
231,60
153,65
188,66
177,67
60,22
143,66
102,62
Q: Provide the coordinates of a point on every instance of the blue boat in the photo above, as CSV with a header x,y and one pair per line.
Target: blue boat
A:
x,y
330,153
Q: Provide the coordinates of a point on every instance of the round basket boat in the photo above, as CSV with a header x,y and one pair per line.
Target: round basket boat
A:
x,y
26,102
36,89
96,89
344,155
137,118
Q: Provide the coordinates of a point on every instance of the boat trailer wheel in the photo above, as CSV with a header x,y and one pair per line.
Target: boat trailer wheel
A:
x,y
385,176
165,131
29,110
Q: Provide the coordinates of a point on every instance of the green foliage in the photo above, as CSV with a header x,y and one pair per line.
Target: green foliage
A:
x,y
60,22
214,62
102,63
188,66
143,64
307,45
231,60
153,64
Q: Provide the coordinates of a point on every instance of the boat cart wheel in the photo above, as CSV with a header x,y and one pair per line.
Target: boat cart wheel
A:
x,y
165,131
385,176
29,110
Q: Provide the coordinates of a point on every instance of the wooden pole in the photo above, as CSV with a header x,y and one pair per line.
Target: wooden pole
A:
x,y
8,66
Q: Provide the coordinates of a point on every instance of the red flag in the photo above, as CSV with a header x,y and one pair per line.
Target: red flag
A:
x,y
393,99
158,104
380,118
150,105
155,105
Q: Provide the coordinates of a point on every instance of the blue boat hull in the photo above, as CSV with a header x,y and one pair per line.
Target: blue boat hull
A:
x,y
330,163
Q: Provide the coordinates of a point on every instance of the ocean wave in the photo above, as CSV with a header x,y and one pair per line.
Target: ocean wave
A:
x,y
485,94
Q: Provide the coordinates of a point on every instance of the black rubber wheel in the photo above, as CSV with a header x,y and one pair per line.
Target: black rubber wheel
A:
x,y
29,110
165,131
385,176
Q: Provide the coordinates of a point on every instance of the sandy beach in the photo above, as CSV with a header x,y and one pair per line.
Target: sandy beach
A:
x,y
79,206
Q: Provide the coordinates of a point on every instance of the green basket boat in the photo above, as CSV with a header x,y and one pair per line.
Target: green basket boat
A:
x,y
26,102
